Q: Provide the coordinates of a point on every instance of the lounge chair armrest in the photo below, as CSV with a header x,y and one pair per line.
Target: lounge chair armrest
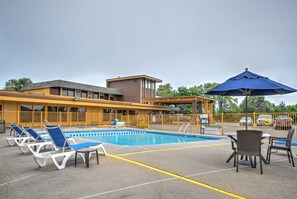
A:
x,y
71,140
36,147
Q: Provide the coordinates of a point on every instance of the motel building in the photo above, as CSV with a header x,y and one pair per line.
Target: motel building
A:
x,y
59,102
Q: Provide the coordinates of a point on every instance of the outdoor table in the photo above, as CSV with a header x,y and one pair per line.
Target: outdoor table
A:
x,y
233,135
87,151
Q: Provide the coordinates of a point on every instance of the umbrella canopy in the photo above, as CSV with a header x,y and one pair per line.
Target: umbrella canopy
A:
x,y
249,84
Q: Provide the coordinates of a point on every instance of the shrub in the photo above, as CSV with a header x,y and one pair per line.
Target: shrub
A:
x,y
142,124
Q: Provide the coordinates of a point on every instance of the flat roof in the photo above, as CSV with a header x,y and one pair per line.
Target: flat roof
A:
x,y
134,77
71,85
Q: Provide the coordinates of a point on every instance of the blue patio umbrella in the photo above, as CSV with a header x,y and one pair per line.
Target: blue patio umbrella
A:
x,y
249,84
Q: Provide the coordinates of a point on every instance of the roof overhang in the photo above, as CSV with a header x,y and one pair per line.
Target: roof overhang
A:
x,y
62,100
134,77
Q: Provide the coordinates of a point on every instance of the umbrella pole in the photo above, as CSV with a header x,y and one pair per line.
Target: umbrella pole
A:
x,y
246,119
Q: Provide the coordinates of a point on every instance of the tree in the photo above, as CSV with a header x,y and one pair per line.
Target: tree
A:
x,y
17,84
258,104
183,91
165,91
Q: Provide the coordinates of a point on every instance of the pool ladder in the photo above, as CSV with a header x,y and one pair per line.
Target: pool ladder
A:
x,y
183,128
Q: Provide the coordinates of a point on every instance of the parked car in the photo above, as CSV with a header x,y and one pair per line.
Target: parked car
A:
x,y
242,121
265,120
283,121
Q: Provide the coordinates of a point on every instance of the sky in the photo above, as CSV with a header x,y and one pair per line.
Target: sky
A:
x,y
182,42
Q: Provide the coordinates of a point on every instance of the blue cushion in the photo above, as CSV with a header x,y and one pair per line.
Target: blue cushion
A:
x,y
294,143
84,145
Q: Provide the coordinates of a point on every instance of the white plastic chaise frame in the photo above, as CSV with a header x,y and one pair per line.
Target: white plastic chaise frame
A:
x,y
56,154
25,143
21,135
41,157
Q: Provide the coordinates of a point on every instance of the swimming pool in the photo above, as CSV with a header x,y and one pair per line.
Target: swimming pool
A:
x,y
138,137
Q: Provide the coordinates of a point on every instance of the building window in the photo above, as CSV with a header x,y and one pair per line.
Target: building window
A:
x,y
91,94
71,93
38,113
26,113
84,94
78,114
78,93
153,85
52,114
96,95
67,92
111,97
104,96
62,114
82,114
55,91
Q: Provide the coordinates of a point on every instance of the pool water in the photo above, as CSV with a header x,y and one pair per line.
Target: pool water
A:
x,y
138,138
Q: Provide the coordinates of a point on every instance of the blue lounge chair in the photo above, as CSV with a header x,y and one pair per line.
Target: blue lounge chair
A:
x,y
63,148
20,136
36,143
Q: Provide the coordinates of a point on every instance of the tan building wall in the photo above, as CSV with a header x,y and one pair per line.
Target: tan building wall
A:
x,y
10,111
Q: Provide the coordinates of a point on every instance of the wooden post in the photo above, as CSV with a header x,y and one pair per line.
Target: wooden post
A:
x,y
254,117
128,118
41,119
60,118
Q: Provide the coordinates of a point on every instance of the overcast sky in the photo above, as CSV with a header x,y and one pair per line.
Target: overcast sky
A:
x,y
182,42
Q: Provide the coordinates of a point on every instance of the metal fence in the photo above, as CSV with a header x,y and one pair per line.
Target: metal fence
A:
x,y
279,121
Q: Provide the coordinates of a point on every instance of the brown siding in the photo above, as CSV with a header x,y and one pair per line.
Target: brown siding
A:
x,y
131,89
45,91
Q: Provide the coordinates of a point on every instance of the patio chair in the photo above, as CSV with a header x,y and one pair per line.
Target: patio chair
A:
x,y
36,143
19,137
249,144
63,148
273,144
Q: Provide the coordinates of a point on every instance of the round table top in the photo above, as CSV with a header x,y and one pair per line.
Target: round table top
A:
x,y
234,134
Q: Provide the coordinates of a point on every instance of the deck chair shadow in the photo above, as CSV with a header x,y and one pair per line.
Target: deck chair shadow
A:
x,y
63,148
20,135
249,144
284,144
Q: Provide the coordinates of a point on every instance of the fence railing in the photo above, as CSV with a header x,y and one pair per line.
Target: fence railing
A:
x,y
280,121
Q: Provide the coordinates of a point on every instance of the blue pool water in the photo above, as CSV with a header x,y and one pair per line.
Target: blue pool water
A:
x,y
138,138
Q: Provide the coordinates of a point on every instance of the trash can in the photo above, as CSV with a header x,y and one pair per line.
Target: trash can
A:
x,y
2,126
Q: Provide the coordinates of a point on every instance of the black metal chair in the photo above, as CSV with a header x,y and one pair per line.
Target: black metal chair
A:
x,y
249,144
285,147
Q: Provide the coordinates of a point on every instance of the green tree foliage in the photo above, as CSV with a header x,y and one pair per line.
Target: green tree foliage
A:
x,y
17,84
166,91
226,103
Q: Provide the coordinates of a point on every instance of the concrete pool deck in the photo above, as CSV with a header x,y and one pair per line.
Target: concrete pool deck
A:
x,y
182,170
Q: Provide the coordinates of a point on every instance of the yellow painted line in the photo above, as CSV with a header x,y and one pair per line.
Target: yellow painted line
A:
x,y
179,177
171,149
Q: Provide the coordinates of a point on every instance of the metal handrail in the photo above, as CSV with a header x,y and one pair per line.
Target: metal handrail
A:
x,y
184,125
